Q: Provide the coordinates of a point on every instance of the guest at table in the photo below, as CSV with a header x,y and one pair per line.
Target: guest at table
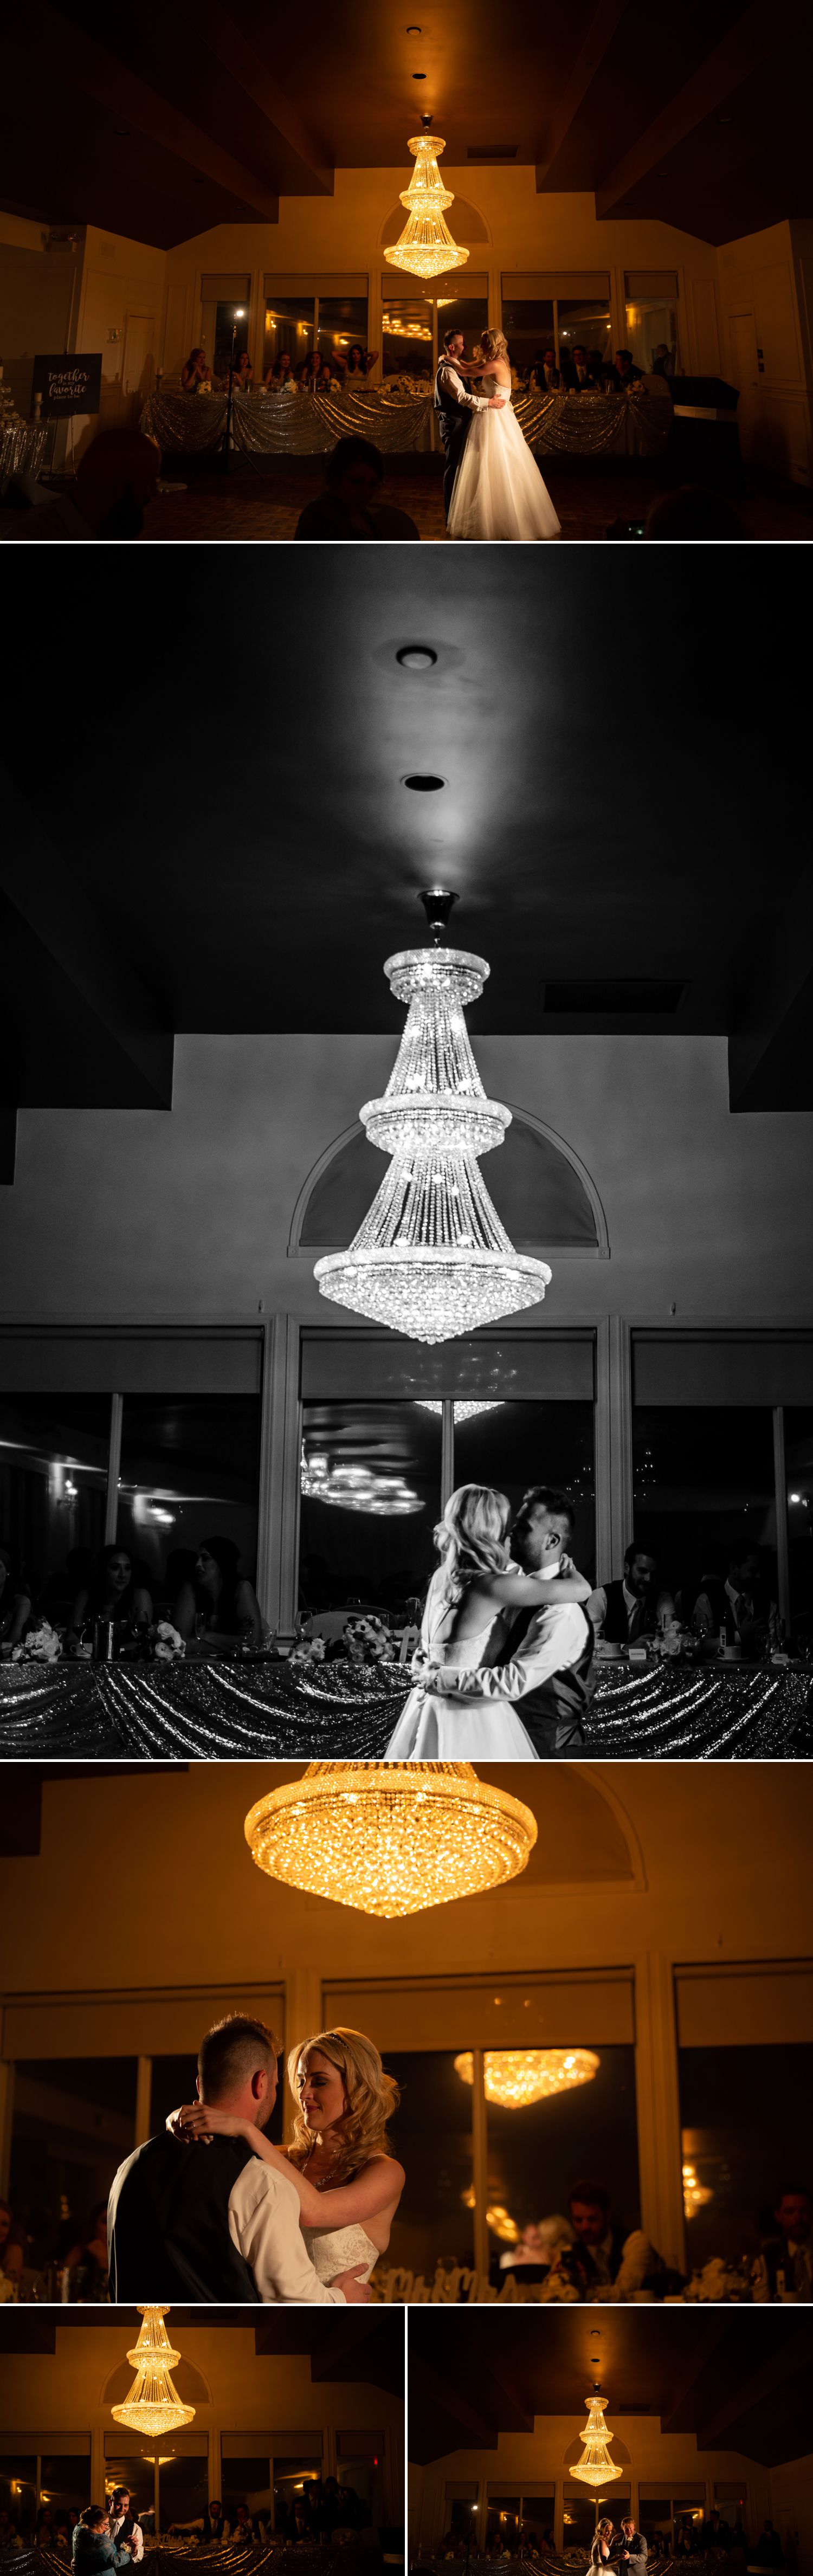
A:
x,y
221,1604
685,2543
663,361
625,371
279,373
243,377
195,371
87,2263
301,376
630,1607
11,2251
741,1603
350,507
241,2524
16,1590
545,376
787,2254
327,381
603,2253
313,365
215,2526
716,2534
358,362
116,1591
44,2528
578,376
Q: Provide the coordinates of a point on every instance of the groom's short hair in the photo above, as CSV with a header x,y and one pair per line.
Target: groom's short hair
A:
x,y
546,1498
454,333
231,2053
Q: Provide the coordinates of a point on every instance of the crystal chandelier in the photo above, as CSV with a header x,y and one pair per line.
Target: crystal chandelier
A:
x,y
357,1489
153,2405
464,1411
390,1837
425,246
513,2077
595,2467
431,1258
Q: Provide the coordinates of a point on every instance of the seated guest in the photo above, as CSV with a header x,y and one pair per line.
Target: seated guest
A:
x,y
221,1603
327,381
11,2252
350,507
87,2261
299,2523
685,2543
663,360
312,368
16,1591
625,371
93,2549
602,2253
358,361
629,1608
545,375
116,1591
279,373
578,375
788,2253
300,377
195,371
215,2525
693,515
741,1604
243,376
241,2523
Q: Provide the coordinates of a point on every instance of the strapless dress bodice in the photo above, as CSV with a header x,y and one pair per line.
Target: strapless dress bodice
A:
x,y
336,2249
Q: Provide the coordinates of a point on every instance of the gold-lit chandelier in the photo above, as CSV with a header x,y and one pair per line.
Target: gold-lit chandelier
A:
x,y
390,1837
696,2194
595,2467
153,2405
425,247
513,2077
498,2219
432,1258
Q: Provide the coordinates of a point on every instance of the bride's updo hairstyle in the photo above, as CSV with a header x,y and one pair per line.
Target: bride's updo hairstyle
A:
x,y
494,344
372,2096
470,1539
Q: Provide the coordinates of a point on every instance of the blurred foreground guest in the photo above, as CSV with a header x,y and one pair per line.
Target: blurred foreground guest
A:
x,y
195,371
785,2266
768,2550
116,478
694,515
350,507
15,1602
11,2252
115,1592
221,1603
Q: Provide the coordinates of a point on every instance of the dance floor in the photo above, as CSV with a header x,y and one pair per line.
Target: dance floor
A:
x,y
243,1711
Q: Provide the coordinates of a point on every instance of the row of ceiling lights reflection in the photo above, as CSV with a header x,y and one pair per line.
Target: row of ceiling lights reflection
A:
x,y
362,1489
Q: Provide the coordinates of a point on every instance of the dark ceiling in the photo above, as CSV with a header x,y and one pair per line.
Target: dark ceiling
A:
x,y
158,123
738,2382
626,802
352,2345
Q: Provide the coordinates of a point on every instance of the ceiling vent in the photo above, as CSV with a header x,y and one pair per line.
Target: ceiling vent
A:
x,y
492,151
605,997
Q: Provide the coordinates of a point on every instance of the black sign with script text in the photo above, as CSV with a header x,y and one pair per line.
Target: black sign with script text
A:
x,y
67,384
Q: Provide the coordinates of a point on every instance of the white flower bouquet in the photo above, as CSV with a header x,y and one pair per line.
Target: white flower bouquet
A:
x,y
41,1646
167,1642
308,1651
369,1642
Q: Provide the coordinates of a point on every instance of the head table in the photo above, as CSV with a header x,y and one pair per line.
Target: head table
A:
x,y
256,1707
396,419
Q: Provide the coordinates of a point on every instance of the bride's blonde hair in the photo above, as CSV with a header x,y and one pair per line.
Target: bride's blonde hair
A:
x,y
470,1539
372,2097
494,344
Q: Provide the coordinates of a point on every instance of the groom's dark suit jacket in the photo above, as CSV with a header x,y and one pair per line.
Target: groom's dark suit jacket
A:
x,y
168,2224
553,1715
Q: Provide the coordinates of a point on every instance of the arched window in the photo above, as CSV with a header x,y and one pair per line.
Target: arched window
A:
x,y
542,1192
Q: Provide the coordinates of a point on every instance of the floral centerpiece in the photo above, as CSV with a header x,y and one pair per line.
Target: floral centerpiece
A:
x,y
166,1642
367,1641
41,1646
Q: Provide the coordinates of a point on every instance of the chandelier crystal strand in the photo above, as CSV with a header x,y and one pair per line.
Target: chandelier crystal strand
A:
x,y
431,1258
153,2405
514,2077
390,1837
425,247
595,2466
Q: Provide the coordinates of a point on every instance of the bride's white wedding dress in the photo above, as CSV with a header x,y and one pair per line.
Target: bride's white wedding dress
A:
x,y
336,2249
498,490
433,1729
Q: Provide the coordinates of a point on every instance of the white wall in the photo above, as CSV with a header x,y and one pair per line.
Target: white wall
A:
x,y
760,284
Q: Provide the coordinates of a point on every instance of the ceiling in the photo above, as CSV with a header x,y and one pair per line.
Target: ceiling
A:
x,y
356,2345
158,124
738,2382
625,802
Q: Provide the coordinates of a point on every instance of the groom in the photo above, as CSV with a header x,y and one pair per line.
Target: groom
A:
x,y
216,2224
548,1675
454,405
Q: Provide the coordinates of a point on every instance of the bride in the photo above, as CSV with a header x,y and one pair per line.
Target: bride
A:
x,y
471,1605
339,2146
498,489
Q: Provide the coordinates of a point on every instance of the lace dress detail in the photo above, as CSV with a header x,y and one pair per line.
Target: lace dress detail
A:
x,y
336,2249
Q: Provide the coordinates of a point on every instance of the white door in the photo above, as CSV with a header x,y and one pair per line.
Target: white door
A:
x,y
745,374
137,367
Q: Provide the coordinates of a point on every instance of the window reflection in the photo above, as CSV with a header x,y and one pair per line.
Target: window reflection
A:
x,y
743,2113
583,2509
53,1484
189,1468
704,1492
534,1444
799,1478
536,2154
434,2221
370,1539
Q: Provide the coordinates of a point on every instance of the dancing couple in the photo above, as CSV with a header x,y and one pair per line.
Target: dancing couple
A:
x,y
248,2221
503,1669
492,487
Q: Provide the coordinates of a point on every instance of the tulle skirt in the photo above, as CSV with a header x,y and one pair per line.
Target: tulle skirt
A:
x,y
459,1730
499,495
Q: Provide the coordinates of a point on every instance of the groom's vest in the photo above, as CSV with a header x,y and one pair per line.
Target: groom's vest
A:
x,y
168,2224
564,1697
451,415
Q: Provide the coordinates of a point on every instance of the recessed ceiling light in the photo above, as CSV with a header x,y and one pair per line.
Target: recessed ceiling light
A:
x,y
414,31
416,657
424,786
419,75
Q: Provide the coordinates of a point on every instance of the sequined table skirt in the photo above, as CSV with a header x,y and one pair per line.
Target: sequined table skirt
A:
x,y
22,449
310,424
238,1711
594,424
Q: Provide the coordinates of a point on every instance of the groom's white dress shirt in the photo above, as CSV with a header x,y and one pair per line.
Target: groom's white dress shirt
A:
x,y
264,2225
449,382
555,1637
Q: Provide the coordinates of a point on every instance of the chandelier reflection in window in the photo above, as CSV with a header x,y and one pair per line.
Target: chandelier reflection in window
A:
x,y
431,1258
514,2077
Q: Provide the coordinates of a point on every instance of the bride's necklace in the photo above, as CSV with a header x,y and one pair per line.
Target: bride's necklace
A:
x,y
321,2182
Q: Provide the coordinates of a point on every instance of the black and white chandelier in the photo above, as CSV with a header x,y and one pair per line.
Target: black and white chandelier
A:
x,y
431,1258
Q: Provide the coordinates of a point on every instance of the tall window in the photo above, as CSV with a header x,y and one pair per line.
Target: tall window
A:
x,y
565,309
306,313
413,326
799,1478
525,2515
704,1491
742,2114
583,2509
53,1482
189,1470
652,316
169,2481
435,2220
668,2511
73,2125
371,1498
